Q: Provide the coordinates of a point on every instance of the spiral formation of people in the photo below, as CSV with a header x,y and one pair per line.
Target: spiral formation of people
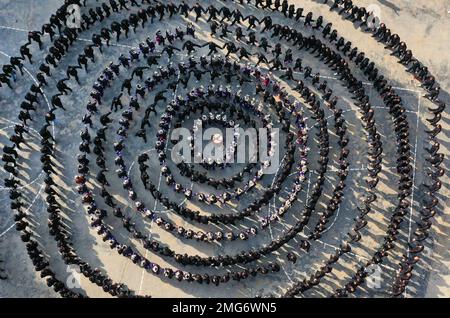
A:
x,y
222,148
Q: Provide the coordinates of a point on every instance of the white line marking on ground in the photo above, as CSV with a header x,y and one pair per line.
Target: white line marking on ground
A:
x,y
156,201
413,178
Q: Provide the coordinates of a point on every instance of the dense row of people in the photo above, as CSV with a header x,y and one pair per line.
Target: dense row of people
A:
x,y
2,276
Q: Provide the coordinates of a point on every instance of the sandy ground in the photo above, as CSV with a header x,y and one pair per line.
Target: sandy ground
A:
x,y
424,26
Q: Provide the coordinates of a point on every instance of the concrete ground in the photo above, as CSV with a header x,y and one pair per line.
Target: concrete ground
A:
x,y
424,26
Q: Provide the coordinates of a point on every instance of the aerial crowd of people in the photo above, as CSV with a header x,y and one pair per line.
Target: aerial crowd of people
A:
x,y
254,50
